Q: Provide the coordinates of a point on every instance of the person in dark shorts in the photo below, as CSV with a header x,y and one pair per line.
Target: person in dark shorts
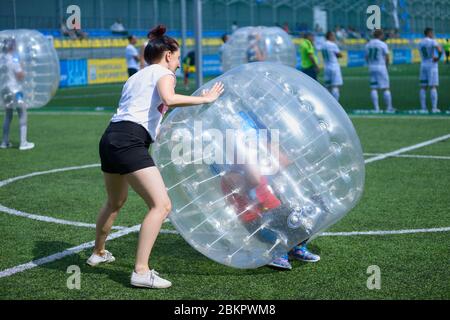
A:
x,y
188,68
132,56
446,47
125,160
256,201
309,63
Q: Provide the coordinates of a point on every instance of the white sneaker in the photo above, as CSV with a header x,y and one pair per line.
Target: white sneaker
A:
x,y
435,111
26,146
149,280
5,145
95,259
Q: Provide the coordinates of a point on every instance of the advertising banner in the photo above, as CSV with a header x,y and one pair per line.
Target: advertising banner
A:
x,y
107,70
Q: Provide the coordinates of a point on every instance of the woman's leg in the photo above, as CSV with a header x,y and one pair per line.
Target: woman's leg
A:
x,y
149,184
23,119
117,189
7,124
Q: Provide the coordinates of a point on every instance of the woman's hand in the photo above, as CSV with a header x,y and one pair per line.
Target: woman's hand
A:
x,y
166,90
214,93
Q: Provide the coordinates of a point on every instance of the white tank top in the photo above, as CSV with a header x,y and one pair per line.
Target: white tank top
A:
x,y
140,101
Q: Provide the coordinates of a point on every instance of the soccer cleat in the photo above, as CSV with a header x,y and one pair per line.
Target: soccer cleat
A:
x,y
302,253
391,110
26,145
436,111
150,279
5,145
96,259
281,263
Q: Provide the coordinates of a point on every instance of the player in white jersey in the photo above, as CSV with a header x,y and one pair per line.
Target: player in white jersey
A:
x,y
377,58
429,72
333,75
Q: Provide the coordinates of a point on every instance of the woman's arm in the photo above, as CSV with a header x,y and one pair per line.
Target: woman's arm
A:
x,y
166,89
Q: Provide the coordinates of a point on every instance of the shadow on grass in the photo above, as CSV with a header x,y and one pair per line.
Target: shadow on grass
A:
x,y
172,252
171,255
116,272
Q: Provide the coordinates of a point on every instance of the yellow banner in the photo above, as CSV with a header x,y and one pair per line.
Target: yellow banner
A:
x,y
107,70
415,56
344,60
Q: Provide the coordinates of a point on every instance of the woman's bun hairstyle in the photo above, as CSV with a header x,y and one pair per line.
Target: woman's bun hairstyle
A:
x,y
157,32
158,43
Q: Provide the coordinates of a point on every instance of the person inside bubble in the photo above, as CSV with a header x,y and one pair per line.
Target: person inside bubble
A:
x,y
254,52
12,94
256,203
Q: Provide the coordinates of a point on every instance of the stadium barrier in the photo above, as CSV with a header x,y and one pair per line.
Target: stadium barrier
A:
x,y
79,72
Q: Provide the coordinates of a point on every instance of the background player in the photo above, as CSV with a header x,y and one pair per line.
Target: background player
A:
x,y
254,52
429,72
309,63
377,58
12,95
447,51
132,56
333,75
188,67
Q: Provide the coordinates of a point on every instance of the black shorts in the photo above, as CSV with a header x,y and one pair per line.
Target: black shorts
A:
x,y
312,72
124,148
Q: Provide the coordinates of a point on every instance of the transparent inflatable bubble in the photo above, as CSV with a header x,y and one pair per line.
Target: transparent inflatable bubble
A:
x,y
274,161
29,69
251,44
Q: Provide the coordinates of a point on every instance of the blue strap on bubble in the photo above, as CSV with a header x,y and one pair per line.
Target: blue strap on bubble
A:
x,y
249,121
268,235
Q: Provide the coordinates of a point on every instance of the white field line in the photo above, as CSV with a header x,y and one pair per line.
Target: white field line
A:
x,y
70,251
37,217
382,232
46,218
26,176
418,156
88,95
406,149
60,255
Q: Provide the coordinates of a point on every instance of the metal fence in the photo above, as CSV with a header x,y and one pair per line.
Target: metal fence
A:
x,y
412,15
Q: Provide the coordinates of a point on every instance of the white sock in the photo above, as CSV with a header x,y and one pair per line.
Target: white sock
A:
x,y
388,99
335,93
374,95
22,124
434,98
423,99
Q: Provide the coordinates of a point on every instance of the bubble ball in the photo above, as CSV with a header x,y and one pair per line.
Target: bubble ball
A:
x,y
273,162
273,43
30,52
